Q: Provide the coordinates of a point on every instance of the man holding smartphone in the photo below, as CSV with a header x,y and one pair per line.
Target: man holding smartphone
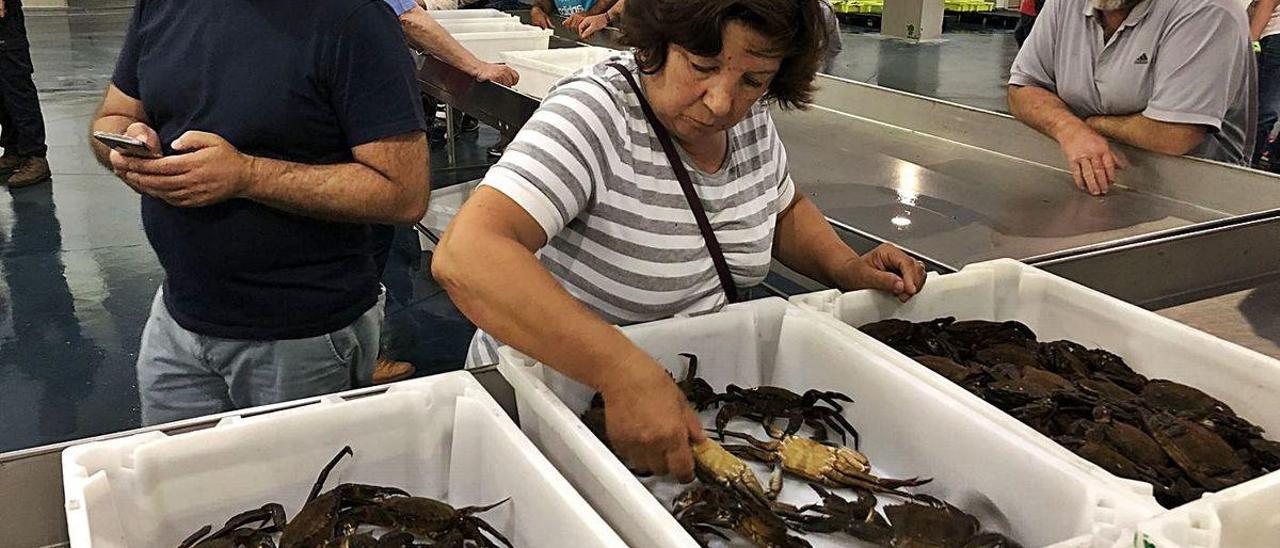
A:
x,y
286,135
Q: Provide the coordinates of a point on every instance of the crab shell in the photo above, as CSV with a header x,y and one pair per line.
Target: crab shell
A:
x,y
713,464
823,463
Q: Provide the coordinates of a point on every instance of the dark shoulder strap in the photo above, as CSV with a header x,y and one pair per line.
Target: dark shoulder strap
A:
x,y
686,184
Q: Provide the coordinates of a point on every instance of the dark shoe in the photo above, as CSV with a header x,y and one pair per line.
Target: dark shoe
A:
x,y
10,163
468,125
32,172
387,371
496,151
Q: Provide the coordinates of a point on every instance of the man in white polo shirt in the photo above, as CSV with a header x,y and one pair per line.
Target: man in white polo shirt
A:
x,y
1172,76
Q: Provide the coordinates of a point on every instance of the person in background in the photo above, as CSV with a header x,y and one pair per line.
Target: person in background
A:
x,y
300,131
589,24
572,10
21,123
566,236
1170,76
425,35
834,43
1027,11
1264,30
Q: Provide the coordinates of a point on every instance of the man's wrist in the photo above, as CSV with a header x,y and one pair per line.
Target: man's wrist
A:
x,y
250,168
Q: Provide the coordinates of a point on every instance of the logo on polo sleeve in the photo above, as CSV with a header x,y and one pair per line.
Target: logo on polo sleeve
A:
x,y
1142,60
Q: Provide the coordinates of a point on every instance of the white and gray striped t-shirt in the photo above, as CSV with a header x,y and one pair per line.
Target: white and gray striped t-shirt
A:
x,y
621,238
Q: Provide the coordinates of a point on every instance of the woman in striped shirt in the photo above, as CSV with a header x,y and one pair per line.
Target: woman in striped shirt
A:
x,y
584,221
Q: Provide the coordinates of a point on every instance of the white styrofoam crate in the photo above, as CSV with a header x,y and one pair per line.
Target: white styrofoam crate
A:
x,y
488,46
471,26
908,428
541,70
442,15
441,437
1244,516
1056,308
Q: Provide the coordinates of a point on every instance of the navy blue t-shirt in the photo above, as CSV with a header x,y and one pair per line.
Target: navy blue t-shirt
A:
x,y
302,81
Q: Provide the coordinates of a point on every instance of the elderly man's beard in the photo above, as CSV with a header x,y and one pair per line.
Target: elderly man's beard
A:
x,y
1112,5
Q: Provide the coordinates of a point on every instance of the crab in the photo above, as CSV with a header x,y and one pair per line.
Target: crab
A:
x,y
315,523
1020,354
1203,455
836,514
973,334
697,391
704,509
952,370
713,464
236,532
767,404
914,339
427,518
831,466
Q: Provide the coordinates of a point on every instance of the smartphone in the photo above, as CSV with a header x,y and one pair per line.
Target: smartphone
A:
x,y
127,146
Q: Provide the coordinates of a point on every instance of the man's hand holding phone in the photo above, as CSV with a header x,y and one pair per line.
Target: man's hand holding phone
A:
x,y
205,170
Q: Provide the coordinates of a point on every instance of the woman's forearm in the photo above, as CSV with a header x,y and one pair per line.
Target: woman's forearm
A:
x,y
805,242
498,283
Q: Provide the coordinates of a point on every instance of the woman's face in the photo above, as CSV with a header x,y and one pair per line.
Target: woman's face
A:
x,y
698,98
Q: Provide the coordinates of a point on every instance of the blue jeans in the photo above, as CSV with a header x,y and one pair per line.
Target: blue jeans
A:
x,y
182,374
1268,97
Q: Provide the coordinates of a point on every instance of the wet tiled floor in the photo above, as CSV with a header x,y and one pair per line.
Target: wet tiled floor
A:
x,y
77,275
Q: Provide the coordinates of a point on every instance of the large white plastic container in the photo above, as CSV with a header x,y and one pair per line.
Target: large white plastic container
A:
x,y
441,437
495,24
442,15
1244,516
1056,308
908,428
488,46
541,70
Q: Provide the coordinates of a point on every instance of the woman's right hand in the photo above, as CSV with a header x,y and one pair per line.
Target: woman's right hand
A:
x,y
649,423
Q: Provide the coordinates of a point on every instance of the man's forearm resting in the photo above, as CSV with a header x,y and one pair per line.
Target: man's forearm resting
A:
x,y
1042,110
428,36
1145,133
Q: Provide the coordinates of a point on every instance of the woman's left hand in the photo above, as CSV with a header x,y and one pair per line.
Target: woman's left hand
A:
x,y
887,269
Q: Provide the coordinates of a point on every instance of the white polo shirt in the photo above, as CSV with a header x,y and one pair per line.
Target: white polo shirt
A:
x,y
1182,61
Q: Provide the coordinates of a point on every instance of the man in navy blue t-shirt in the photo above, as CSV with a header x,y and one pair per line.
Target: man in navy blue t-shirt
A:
x,y
287,131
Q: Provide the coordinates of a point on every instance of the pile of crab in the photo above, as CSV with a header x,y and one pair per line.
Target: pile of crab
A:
x,y
729,498
348,516
1175,437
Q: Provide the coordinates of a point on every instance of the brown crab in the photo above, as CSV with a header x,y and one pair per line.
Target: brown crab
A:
x,y
715,465
237,533
315,523
427,518
767,404
1203,455
832,466
704,509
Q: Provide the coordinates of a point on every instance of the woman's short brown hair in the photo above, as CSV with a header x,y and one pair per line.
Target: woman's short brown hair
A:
x,y
796,28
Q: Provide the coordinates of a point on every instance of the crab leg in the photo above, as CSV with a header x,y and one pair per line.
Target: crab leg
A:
x,y
324,473
195,537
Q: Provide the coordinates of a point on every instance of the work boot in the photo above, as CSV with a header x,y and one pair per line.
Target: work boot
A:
x,y
10,163
34,170
387,371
